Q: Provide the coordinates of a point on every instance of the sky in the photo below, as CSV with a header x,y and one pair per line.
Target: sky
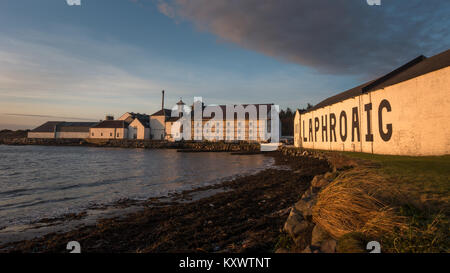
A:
x,y
79,63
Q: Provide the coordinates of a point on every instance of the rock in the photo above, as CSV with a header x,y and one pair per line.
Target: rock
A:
x,y
330,176
295,224
316,179
328,246
305,206
320,183
282,250
307,250
306,195
319,235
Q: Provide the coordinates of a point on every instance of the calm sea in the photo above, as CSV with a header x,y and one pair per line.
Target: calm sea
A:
x,y
42,182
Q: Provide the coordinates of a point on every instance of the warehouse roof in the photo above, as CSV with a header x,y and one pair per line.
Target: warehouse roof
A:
x,y
415,68
62,126
112,124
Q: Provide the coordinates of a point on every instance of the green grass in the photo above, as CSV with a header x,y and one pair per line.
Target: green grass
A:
x,y
427,176
426,181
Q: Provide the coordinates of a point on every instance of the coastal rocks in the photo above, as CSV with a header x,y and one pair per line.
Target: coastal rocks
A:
x,y
305,206
298,228
295,224
328,246
319,235
308,236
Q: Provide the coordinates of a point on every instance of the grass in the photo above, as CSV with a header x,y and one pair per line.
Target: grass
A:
x,y
413,192
358,200
425,179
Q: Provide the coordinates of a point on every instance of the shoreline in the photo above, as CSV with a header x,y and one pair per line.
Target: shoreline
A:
x,y
182,146
239,215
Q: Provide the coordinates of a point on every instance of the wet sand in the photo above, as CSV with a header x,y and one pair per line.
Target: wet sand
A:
x,y
242,215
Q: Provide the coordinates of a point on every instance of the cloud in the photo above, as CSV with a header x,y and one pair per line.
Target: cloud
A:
x,y
48,116
331,36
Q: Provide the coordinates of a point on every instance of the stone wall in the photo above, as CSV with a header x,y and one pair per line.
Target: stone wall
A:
x,y
306,235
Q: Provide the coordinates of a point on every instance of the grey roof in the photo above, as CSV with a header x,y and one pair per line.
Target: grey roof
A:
x,y
415,68
166,112
112,124
144,120
48,127
62,126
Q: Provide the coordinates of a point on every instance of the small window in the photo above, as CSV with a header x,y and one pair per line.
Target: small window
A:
x,y
92,134
110,134
101,134
118,135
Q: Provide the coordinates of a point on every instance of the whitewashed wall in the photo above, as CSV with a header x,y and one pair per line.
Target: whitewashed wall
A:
x,y
419,118
109,133
72,134
41,135
157,127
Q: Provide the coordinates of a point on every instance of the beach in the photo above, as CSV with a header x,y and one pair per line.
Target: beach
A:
x,y
245,214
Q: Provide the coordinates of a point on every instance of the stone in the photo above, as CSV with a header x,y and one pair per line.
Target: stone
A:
x,y
294,225
328,246
330,176
305,206
282,250
307,250
319,235
320,183
316,179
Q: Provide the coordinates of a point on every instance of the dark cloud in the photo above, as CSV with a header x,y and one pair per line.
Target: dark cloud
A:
x,y
48,116
332,36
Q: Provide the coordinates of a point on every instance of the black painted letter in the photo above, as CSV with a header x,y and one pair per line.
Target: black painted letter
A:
x,y
324,129
385,136
343,116
355,123
316,128
368,109
332,127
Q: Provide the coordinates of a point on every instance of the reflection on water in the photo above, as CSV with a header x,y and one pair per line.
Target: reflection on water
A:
x,y
42,181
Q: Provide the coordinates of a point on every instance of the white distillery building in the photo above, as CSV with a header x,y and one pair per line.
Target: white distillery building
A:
x,y
129,126
405,112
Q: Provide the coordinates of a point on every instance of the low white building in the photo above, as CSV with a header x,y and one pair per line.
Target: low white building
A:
x,y
139,125
110,129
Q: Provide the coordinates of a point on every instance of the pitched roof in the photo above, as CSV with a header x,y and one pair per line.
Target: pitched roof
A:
x,y
75,126
48,127
62,126
112,124
144,120
415,68
166,112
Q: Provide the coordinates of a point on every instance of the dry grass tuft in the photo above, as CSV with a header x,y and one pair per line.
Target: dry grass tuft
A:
x,y
359,201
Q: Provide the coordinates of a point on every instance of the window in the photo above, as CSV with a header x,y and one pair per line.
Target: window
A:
x,y
110,134
118,135
92,134
101,134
